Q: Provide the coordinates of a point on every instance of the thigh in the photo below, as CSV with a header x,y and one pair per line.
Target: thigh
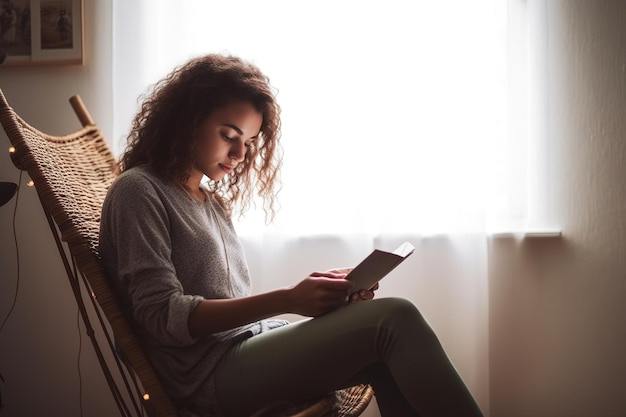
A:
x,y
301,360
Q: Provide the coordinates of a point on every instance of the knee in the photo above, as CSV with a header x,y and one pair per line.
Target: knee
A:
x,y
398,305
400,322
402,311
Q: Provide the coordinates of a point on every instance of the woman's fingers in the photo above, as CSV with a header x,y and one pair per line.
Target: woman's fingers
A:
x,y
344,271
320,293
363,295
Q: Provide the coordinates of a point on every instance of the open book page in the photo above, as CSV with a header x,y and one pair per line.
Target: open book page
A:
x,y
377,265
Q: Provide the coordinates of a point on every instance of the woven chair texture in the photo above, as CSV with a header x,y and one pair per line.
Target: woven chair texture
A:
x,y
72,174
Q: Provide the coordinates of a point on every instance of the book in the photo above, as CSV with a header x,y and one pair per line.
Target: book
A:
x,y
377,265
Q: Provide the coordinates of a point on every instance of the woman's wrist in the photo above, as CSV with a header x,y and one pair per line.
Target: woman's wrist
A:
x,y
283,300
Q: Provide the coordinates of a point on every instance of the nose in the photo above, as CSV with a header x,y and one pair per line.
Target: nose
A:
x,y
238,152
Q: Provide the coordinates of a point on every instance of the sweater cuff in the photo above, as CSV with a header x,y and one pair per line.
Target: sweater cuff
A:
x,y
178,318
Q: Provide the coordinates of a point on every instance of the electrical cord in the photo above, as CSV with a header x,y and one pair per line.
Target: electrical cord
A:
x,y
17,255
14,302
17,283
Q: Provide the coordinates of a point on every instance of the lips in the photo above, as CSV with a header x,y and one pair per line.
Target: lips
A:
x,y
227,168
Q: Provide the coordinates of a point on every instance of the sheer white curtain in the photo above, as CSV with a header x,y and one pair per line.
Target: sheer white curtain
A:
x,y
397,122
394,113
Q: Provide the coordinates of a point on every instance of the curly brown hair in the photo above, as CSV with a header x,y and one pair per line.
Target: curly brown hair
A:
x,y
164,130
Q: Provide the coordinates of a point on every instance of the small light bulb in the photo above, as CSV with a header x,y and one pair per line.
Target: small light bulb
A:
x,y
30,183
12,149
146,397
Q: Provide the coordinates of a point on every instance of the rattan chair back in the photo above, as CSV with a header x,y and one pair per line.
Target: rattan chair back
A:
x,y
72,174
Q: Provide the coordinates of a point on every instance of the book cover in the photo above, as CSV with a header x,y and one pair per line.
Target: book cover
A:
x,y
377,265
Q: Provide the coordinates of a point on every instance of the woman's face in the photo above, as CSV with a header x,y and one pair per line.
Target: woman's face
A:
x,y
223,139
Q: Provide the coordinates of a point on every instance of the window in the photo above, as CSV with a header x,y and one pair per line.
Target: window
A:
x,y
396,115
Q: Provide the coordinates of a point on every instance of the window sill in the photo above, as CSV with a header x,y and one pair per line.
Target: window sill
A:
x,y
529,234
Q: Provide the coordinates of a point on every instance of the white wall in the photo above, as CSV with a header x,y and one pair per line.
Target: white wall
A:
x,y
558,307
39,343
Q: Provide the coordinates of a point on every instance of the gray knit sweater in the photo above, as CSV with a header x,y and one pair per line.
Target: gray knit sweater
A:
x,y
163,253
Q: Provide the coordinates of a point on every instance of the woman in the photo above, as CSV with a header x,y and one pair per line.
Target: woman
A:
x,y
170,249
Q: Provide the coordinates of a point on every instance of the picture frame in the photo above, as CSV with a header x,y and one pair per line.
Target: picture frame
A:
x,y
41,32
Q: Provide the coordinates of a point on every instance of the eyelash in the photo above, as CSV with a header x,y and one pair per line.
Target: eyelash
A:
x,y
230,140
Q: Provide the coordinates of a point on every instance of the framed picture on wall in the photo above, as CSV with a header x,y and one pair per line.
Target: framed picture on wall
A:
x,y
41,32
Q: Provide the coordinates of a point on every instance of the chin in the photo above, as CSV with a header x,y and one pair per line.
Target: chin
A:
x,y
215,178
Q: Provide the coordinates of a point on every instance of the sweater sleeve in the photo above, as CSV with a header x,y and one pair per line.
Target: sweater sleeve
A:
x,y
136,233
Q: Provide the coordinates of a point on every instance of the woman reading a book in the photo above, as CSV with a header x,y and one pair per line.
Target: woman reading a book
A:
x,y
172,255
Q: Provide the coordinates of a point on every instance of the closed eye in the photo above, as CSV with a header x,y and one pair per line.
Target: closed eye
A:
x,y
227,138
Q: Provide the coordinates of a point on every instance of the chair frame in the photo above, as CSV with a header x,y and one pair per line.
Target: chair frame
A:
x,y
84,270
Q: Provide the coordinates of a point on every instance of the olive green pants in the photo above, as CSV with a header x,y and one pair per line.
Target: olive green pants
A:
x,y
384,342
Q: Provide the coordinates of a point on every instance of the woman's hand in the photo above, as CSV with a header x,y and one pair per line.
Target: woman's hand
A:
x,y
357,296
340,271
319,293
362,295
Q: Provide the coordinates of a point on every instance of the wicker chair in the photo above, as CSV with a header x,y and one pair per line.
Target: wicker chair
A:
x,y
71,174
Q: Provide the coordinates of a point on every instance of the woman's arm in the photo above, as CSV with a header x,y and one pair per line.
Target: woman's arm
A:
x,y
319,293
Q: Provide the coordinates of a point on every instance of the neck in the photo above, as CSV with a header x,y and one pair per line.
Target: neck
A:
x,y
193,182
192,187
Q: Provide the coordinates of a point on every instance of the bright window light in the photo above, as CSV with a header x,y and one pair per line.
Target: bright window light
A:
x,y
394,113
